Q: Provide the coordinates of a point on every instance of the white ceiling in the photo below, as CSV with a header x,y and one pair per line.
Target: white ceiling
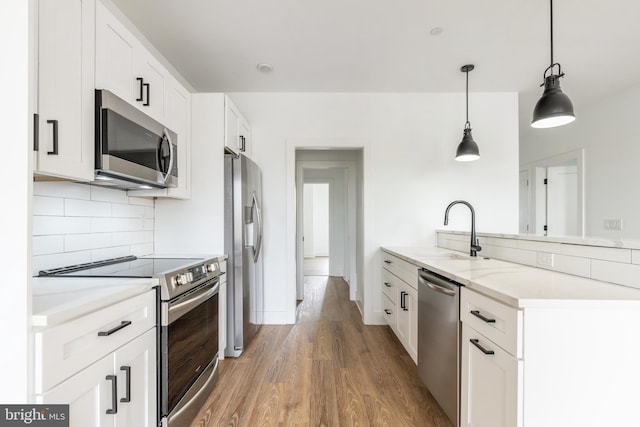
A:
x,y
386,46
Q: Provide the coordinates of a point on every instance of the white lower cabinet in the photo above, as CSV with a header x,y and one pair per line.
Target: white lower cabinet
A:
x,y
489,383
103,365
118,390
400,301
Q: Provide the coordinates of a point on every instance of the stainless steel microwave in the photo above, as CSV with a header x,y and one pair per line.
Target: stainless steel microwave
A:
x,y
133,151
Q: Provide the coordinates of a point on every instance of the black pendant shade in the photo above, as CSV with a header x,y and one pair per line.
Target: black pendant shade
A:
x,y
554,108
467,149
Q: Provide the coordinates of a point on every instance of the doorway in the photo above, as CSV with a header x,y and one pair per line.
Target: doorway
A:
x,y
340,172
552,196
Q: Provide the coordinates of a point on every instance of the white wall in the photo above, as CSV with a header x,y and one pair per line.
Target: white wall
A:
x,y
308,220
196,226
78,223
607,131
15,228
410,175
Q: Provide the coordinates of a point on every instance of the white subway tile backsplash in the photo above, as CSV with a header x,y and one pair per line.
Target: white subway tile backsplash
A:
x,y
597,252
109,225
149,212
86,208
572,265
82,242
142,249
43,262
43,205
610,264
141,201
44,245
127,211
48,225
113,252
62,189
532,245
77,223
616,272
103,194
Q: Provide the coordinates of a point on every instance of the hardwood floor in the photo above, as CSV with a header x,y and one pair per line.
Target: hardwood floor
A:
x,y
329,369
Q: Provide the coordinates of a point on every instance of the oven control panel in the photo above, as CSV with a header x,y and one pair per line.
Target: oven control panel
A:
x,y
196,273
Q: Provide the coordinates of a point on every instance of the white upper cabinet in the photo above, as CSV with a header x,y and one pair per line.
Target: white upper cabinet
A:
x,y
126,68
179,121
64,124
237,133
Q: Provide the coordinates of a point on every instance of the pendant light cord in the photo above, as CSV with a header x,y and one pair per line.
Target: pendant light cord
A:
x,y
467,124
551,20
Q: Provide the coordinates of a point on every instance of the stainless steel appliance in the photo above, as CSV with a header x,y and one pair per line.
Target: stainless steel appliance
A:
x,y
188,326
133,150
439,340
243,244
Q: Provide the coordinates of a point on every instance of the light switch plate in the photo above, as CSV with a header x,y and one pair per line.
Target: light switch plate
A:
x,y
545,259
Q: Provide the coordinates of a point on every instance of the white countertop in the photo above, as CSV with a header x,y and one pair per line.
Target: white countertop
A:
x,y
59,299
518,285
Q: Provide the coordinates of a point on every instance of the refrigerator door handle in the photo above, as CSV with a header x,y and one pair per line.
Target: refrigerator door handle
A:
x,y
258,243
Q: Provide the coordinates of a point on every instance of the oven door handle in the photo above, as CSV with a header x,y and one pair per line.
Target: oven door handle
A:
x,y
180,308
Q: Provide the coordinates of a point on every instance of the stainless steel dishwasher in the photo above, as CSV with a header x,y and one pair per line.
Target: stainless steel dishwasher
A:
x,y
439,340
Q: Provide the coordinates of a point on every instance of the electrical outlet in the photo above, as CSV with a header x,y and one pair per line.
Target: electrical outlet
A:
x,y
545,259
613,224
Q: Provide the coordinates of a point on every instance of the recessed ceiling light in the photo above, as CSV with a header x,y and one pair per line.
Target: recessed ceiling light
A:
x,y
436,31
264,67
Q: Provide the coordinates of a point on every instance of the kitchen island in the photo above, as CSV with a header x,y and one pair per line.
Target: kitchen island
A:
x,y
537,347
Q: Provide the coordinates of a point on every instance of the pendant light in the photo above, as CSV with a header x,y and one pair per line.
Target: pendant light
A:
x,y
554,108
467,149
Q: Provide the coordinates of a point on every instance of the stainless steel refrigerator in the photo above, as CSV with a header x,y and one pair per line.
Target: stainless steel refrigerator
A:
x,y
243,245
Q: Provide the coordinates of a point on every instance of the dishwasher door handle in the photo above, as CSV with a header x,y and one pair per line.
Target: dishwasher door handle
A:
x,y
437,288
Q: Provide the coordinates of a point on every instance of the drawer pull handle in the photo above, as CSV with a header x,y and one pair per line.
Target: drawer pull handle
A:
x,y
114,394
387,284
386,261
481,348
480,316
386,310
122,325
127,396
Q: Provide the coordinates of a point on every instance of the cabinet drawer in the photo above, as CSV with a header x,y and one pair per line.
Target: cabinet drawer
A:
x,y
389,312
401,268
390,285
498,322
63,350
491,383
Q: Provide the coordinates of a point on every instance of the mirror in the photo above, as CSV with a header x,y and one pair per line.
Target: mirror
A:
x,y
602,147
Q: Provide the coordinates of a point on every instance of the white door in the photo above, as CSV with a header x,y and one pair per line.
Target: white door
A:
x,y
88,394
135,366
524,201
562,201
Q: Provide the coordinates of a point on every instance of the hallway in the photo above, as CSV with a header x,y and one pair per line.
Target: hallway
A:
x,y
326,370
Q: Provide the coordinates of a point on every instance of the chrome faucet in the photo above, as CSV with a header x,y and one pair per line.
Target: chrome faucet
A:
x,y
475,246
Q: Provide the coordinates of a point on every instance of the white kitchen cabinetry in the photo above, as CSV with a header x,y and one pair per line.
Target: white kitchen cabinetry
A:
x,y
102,364
64,120
491,364
237,133
400,300
179,121
126,68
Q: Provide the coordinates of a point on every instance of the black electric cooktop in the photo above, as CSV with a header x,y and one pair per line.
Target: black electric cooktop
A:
x,y
129,266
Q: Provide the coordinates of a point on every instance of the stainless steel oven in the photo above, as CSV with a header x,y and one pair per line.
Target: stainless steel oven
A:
x,y
188,341
189,352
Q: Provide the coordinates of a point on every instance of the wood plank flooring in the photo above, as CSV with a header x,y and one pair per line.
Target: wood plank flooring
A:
x,y
329,369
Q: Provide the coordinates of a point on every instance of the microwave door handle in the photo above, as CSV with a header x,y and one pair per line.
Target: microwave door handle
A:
x,y
171,154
